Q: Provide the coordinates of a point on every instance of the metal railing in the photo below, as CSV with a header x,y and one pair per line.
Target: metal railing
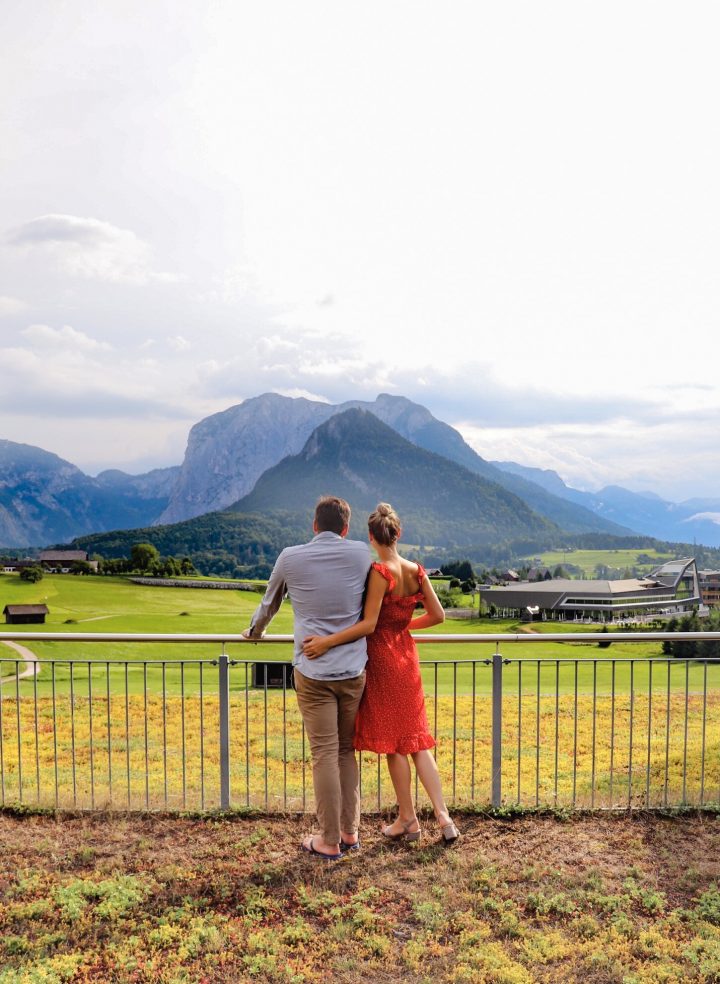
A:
x,y
201,734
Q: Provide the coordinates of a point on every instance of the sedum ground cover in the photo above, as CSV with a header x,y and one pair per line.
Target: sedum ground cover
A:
x,y
151,898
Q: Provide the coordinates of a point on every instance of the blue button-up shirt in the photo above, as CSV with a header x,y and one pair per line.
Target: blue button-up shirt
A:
x,y
325,580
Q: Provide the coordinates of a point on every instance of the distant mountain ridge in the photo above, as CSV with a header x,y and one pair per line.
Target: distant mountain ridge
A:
x,y
355,455
644,512
45,499
228,452
444,506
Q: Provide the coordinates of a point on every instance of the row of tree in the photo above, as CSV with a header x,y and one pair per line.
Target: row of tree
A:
x,y
145,558
462,571
693,648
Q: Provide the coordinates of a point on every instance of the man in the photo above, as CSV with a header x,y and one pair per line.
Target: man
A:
x,y
325,580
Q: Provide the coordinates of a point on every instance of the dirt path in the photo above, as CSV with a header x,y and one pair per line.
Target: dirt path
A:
x,y
32,668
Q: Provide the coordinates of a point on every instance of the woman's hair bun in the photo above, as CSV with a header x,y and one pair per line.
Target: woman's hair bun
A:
x,y
384,524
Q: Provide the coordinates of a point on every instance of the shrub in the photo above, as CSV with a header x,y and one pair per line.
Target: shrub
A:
x,y
31,574
709,905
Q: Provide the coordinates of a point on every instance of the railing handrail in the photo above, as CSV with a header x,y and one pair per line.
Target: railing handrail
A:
x,y
469,637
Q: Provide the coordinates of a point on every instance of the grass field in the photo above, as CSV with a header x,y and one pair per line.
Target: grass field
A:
x,y
114,729
618,559
80,604
532,900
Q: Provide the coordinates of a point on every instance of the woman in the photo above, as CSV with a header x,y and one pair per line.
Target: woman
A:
x,y
392,719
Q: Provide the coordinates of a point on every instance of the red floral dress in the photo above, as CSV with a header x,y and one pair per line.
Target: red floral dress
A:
x,y
392,715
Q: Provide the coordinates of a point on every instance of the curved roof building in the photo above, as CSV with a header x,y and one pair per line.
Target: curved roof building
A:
x,y
669,589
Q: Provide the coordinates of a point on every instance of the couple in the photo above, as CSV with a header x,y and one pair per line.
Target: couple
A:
x,y
349,612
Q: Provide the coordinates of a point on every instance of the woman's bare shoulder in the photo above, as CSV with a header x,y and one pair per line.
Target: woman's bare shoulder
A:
x,y
409,575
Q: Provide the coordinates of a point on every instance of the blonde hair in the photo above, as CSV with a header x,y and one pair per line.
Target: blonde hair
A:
x,y
384,524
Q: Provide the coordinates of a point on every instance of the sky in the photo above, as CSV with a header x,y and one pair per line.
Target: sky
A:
x,y
507,212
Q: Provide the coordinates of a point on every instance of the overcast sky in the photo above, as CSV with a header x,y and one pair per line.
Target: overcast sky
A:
x,y
508,212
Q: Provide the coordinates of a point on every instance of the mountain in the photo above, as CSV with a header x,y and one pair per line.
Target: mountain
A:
x,y
228,452
45,499
357,456
644,512
417,424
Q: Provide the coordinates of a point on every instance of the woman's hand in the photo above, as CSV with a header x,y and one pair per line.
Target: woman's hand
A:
x,y
315,646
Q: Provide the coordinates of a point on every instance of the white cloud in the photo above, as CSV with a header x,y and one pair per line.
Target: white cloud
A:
x,y
67,337
88,247
636,454
714,517
178,343
520,239
302,393
11,305
71,375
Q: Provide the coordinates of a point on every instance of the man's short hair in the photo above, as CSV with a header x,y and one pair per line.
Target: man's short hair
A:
x,y
332,514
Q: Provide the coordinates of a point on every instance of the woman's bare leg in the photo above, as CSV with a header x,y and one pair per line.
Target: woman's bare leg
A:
x,y
429,776
400,774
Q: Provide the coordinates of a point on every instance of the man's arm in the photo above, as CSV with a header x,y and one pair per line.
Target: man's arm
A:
x,y
375,590
272,599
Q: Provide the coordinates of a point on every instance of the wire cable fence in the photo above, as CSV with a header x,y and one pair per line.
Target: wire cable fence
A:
x,y
208,734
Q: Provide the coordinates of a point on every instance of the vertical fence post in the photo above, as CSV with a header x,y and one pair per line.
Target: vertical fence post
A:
x,y
497,669
224,699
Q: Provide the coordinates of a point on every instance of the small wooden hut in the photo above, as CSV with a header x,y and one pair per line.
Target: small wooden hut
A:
x,y
25,614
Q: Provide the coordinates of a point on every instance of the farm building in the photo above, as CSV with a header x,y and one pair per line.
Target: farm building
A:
x,y
14,566
672,588
63,561
25,614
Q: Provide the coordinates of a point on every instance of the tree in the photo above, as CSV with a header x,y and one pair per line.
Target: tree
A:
x,y
460,569
32,574
143,556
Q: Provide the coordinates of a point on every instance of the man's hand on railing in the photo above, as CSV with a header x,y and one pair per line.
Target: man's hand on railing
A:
x,y
250,638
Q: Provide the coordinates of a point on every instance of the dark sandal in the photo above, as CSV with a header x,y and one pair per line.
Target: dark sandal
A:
x,y
319,854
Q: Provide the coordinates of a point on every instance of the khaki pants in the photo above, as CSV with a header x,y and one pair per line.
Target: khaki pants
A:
x,y
328,708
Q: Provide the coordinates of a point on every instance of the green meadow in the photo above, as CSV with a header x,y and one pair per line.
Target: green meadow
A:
x,y
110,605
618,559
123,722
116,605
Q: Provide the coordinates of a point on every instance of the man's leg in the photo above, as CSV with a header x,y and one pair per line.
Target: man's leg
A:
x,y
349,693
319,708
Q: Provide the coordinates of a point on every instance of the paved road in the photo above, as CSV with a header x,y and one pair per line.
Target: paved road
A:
x,y
31,668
